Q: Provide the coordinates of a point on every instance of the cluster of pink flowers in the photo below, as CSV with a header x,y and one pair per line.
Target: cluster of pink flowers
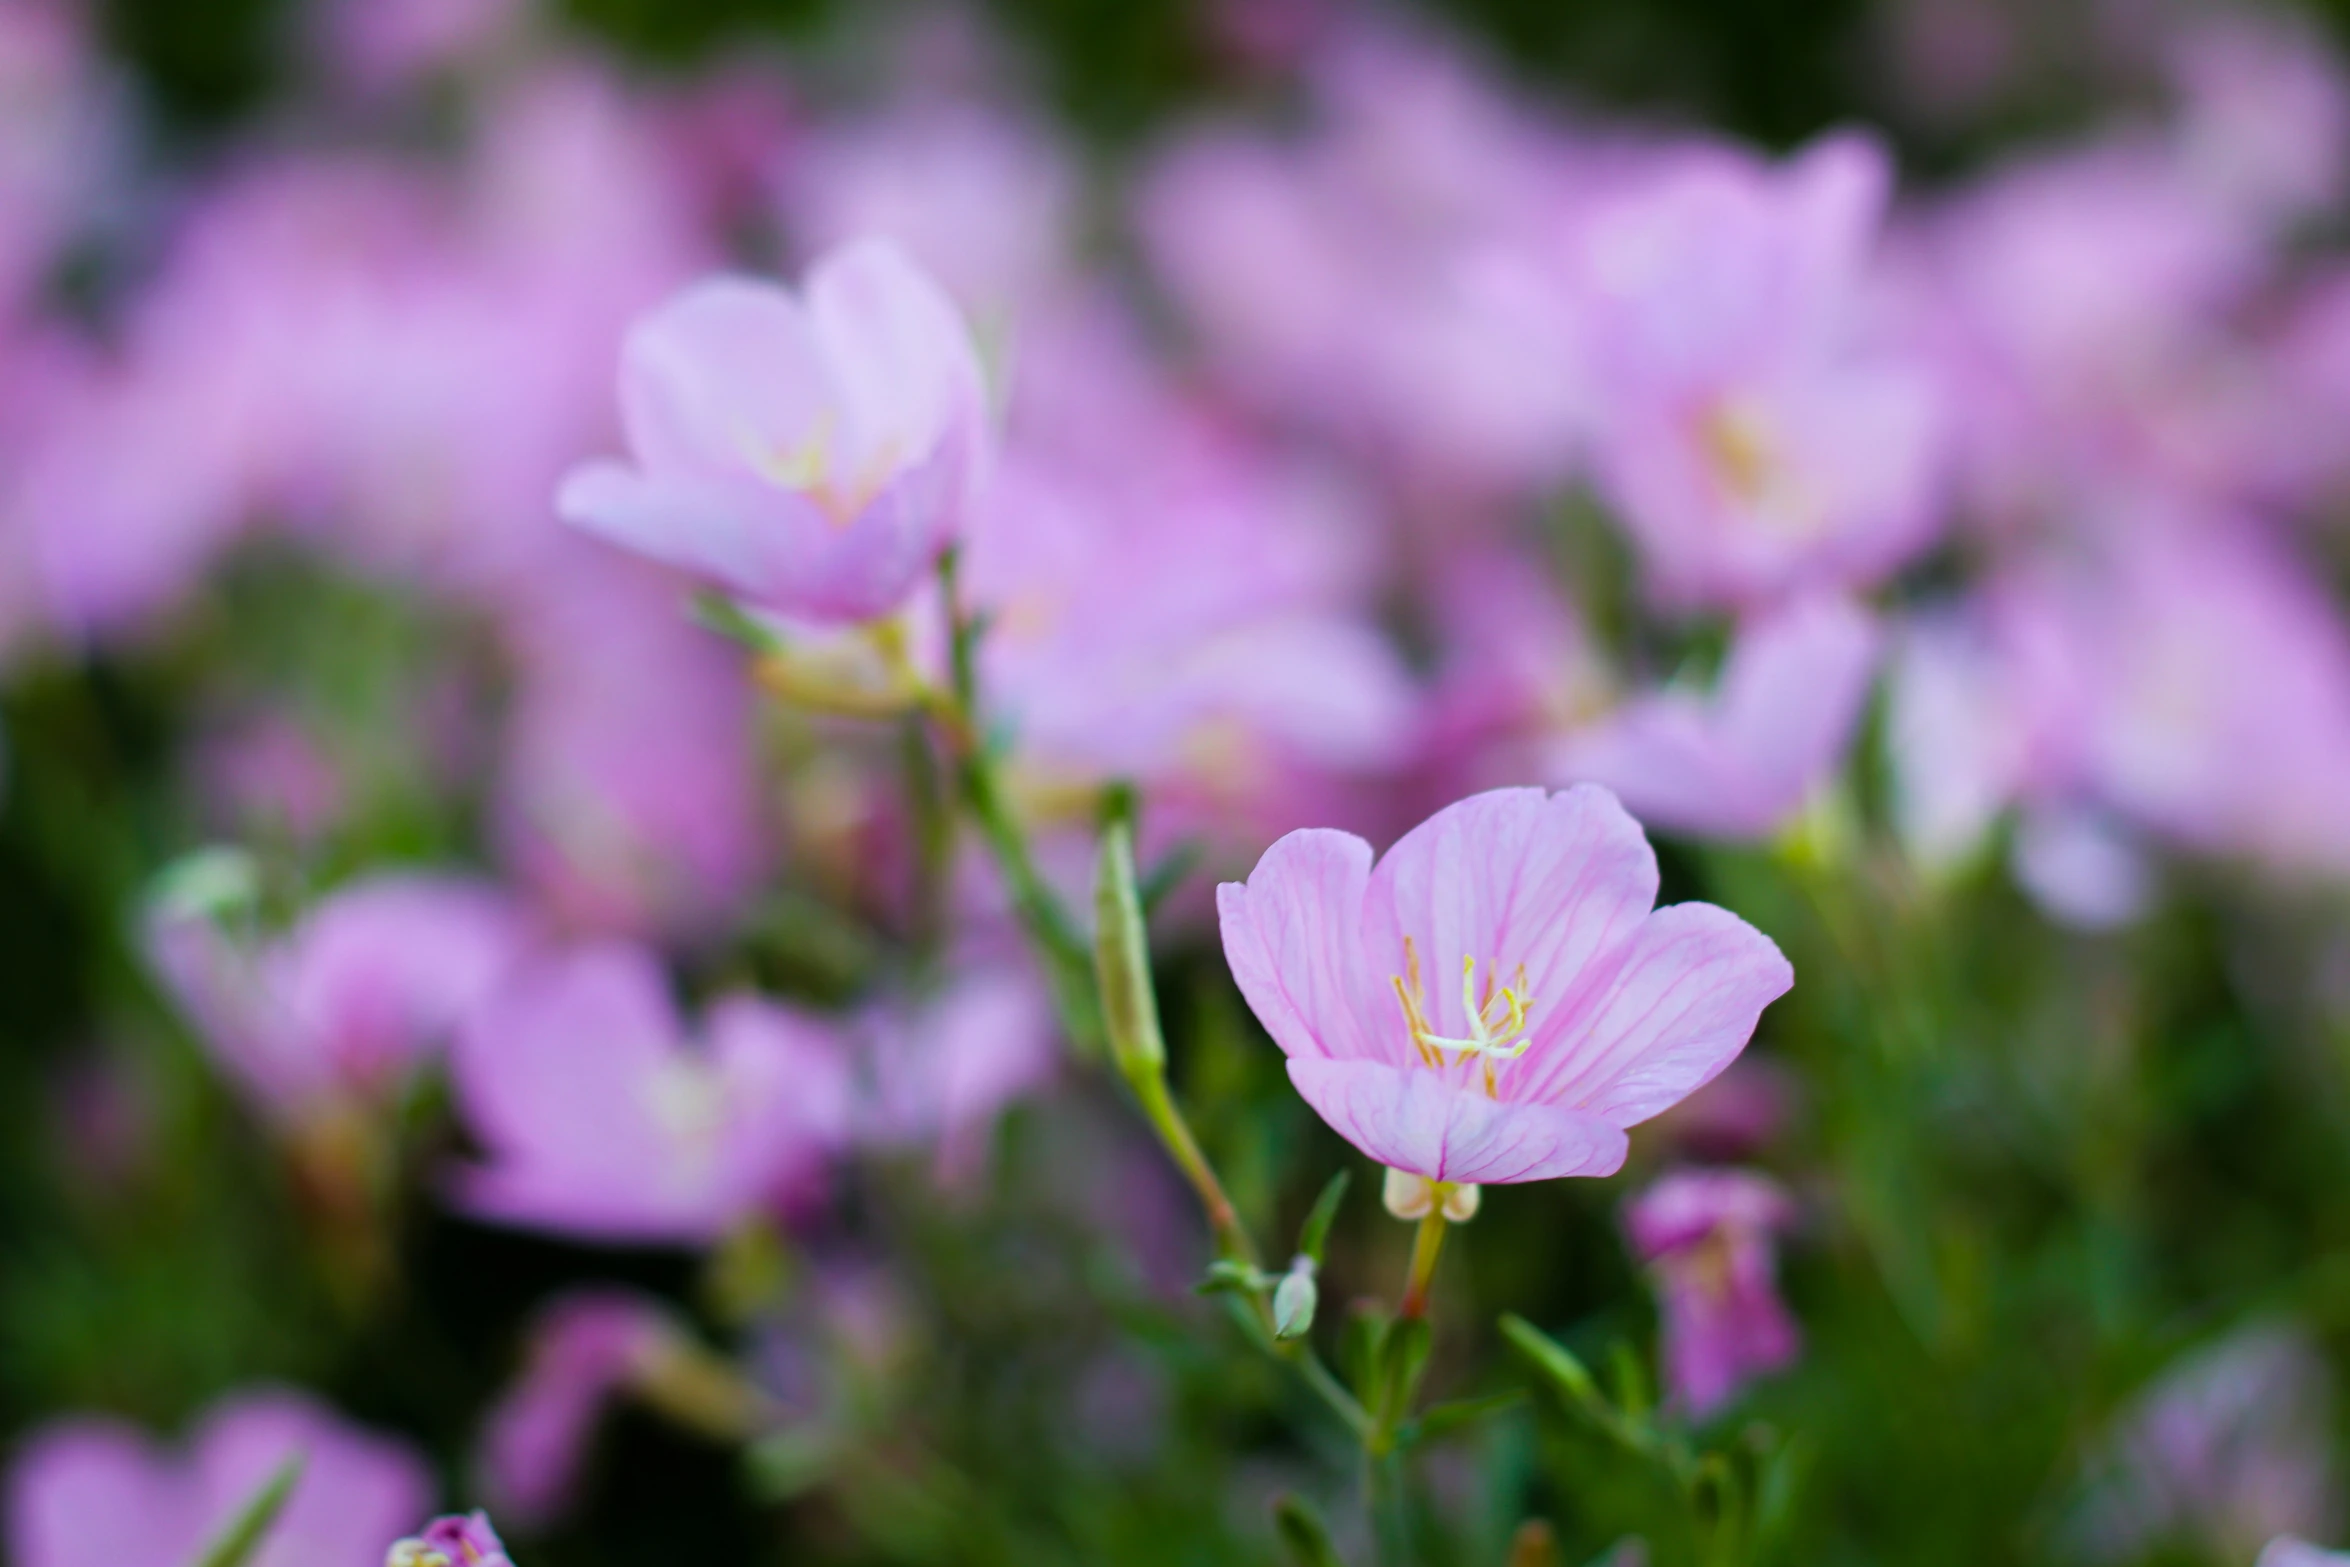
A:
x,y
1289,576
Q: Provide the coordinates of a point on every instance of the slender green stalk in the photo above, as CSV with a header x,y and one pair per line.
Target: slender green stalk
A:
x,y
1427,1245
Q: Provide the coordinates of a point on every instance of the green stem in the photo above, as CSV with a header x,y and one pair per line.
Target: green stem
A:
x,y
1427,1245
1158,1106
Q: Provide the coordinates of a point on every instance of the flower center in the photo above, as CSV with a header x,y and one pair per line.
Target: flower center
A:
x,y
809,467
1496,1017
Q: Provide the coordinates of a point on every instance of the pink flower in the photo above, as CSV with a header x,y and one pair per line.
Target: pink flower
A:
x,y
940,1073
1708,1236
342,1008
583,1349
89,1492
1743,760
2229,1448
1579,1011
1753,435
2286,1551
457,1541
603,1120
813,454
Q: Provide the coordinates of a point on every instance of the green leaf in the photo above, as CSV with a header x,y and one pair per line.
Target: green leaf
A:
x,y
1316,1233
716,611
1444,1419
1554,1360
235,1545
1360,1346
1225,1276
1403,1357
1303,1534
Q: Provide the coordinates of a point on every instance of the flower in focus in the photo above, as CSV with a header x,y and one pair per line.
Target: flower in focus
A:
x,y
814,453
1744,760
456,1541
1498,999
339,1011
603,1120
1755,440
89,1492
1708,1237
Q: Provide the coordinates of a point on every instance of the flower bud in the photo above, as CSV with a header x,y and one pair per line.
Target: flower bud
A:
x,y
1294,1300
1122,960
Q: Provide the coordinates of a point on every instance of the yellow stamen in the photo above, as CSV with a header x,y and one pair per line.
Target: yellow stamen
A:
x,y
1496,1018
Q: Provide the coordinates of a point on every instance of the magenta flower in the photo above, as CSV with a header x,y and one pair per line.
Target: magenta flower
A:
x,y
1743,760
814,454
938,1074
88,1492
603,1120
340,1010
1708,1236
583,1349
465,1540
1578,1009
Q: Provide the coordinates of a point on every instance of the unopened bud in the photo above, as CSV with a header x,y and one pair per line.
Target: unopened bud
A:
x,y
1294,1300
1122,960
1410,1196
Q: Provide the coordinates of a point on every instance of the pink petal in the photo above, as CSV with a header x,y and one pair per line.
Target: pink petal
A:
x,y
96,1493
1513,876
896,351
1679,1009
1293,936
1413,1120
725,376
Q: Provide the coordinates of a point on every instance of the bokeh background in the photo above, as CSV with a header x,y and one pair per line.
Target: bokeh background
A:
x,y
309,305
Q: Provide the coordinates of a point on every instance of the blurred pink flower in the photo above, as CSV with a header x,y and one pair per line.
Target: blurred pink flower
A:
x,y
59,137
814,455
2228,1449
600,1118
583,1349
984,202
1743,760
382,46
1754,437
1391,273
2286,1551
938,1072
457,1541
2264,125
90,1492
2218,682
342,1008
1709,1237
628,795
1580,1011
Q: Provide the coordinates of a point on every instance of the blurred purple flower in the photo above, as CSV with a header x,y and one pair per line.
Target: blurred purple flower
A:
x,y
2286,1551
2228,1449
1580,1011
1753,437
600,1118
628,795
1745,759
813,454
938,1072
1709,1237
341,1009
456,1541
89,1492
582,1349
